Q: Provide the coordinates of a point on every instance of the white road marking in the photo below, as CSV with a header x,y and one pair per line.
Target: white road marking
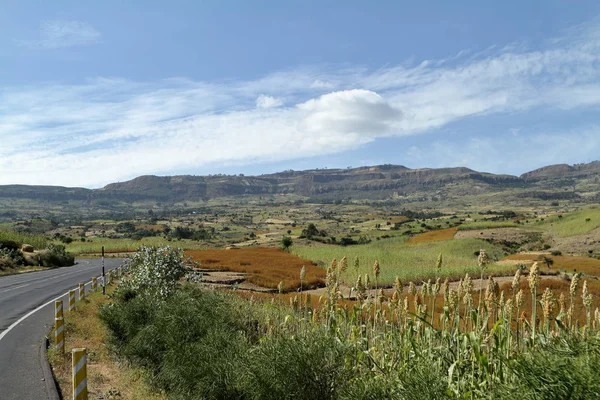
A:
x,y
16,287
24,317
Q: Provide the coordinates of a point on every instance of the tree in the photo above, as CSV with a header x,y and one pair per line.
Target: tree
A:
x,y
548,261
286,243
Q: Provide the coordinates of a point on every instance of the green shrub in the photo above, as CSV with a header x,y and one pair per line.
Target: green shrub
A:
x,y
155,270
190,341
306,367
55,256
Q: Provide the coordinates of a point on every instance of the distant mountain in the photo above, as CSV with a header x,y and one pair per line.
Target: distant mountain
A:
x,y
579,182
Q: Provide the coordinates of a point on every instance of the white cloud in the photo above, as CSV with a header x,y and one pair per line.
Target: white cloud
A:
x,y
360,112
113,129
264,101
59,33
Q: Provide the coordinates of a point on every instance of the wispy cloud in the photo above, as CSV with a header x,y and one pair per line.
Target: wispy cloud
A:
x,y
264,101
114,129
58,33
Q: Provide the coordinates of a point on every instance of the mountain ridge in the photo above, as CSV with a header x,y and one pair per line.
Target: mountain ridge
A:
x,y
379,182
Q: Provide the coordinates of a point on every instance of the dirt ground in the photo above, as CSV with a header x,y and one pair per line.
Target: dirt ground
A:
x,y
579,244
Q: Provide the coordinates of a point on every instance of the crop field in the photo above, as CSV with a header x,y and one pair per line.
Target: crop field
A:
x,y
121,245
570,264
433,236
407,261
37,241
575,223
266,267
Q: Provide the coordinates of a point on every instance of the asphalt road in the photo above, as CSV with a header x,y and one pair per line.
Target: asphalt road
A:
x,y
21,375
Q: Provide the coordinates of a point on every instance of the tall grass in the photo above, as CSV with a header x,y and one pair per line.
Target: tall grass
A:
x,y
38,242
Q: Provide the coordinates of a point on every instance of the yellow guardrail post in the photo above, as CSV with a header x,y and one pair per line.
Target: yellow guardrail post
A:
x,y
81,291
59,333
58,309
94,283
71,300
79,374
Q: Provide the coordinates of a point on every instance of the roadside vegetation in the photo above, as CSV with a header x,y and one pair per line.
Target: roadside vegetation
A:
x,y
107,379
18,255
431,341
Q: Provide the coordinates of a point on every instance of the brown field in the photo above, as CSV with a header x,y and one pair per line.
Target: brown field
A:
x,y
401,218
442,234
587,265
265,266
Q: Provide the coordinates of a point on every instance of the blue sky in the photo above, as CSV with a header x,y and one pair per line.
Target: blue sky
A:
x,y
97,92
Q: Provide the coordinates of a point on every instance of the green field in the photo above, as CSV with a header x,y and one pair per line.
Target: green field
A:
x,y
575,223
126,245
409,262
486,225
37,241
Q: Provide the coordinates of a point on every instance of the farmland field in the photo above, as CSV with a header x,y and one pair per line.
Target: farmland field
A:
x,y
407,261
570,224
266,267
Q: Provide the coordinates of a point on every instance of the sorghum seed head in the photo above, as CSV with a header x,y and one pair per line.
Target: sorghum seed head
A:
x,y
586,296
483,259
343,264
516,280
519,298
574,284
534,277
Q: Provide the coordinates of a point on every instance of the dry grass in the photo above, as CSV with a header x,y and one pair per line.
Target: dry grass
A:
x,y
265,266
433,236
587,265
107,379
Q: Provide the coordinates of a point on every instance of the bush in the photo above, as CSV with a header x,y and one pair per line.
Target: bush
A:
x,y
556,253
306,367
9,245
56,256
191,342
155,271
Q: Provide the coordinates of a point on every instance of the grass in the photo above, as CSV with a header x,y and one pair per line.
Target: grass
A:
x,y
265,267
571,224
38,242
433,236
487,225
106,379
407,261
124,245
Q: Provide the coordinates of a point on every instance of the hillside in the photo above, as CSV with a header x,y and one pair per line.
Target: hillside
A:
x,y
580,183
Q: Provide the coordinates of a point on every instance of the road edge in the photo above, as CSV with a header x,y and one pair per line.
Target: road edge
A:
x,y
49,381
